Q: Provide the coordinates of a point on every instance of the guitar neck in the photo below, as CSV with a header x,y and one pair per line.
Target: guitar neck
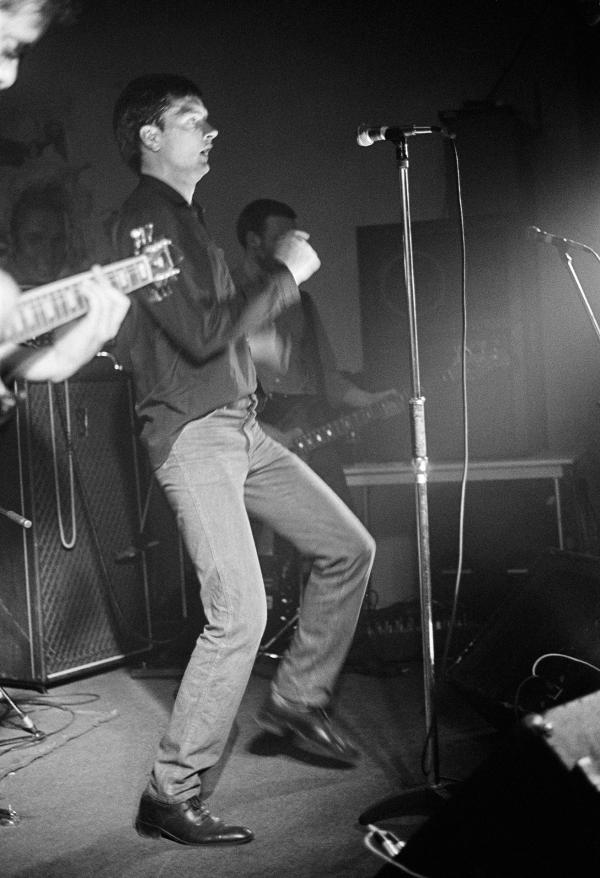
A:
x,y
345,426
52,305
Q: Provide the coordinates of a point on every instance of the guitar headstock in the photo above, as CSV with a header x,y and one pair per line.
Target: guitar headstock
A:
x,y
160,259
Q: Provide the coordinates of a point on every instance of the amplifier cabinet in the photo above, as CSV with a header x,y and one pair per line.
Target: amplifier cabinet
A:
x,y
68,464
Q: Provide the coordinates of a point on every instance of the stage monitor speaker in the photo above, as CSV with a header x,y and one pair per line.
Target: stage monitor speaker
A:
x,y
531,809
556,615
505,370
69,465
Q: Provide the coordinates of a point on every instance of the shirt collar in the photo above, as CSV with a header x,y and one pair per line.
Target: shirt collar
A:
x,y
147,180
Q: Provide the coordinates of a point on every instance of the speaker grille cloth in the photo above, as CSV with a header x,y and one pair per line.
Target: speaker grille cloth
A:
x,y
91,607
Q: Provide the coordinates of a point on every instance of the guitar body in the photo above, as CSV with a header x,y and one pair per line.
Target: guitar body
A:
x,y
302,412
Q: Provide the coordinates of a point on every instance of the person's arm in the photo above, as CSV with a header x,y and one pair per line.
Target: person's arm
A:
x,y
339,389
77,342
196,321
356,397
270,350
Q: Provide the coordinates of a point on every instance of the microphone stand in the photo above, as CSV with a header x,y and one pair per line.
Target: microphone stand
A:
x,y
562,248
28,723
426,798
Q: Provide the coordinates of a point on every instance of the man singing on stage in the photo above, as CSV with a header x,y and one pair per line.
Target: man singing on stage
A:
x,y
195,385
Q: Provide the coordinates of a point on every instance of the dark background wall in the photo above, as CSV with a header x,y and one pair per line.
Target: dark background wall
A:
x,y
287,83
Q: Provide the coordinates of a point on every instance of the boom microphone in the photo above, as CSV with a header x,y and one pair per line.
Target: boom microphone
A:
x,y
536,234
367,134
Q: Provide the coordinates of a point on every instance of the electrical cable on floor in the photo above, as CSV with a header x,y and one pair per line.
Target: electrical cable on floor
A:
x,y
67,699
22,742
24,717
535,676
386,846
561,655
517,709
8,816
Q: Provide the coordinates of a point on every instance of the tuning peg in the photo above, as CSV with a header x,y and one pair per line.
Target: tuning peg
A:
x,y
138,236
142,237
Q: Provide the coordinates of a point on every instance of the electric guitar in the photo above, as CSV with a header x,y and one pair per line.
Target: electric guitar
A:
x,y
47,307
347,425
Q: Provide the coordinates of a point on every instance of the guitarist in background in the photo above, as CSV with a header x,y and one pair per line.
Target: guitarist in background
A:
x,y
41,241
22,22
301,389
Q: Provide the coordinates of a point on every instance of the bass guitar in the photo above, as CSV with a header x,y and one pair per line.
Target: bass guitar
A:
x,y
348,425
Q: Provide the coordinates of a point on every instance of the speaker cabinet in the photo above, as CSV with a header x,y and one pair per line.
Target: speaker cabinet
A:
x,y
537,649
531,809
69,465
504,366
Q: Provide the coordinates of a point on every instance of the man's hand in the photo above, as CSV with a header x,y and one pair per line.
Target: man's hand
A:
x,y
9,293
77,342
269,349
297,255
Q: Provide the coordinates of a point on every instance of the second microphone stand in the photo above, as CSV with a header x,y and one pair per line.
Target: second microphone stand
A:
x,y
562,246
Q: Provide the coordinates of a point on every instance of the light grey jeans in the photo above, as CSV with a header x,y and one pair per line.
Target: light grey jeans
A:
x,y
221,469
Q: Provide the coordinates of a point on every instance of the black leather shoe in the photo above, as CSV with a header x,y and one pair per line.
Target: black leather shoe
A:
x,y
312,726
189,822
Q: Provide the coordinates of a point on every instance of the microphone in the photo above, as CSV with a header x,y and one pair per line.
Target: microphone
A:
x,y
368,134
536,234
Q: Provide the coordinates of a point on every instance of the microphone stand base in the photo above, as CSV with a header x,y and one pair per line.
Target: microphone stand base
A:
x,y
423,801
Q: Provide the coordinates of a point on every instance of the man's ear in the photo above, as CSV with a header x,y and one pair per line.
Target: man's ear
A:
x,y
253,241
150,137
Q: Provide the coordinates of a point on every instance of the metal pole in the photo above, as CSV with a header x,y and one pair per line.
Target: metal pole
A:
x,y
420,464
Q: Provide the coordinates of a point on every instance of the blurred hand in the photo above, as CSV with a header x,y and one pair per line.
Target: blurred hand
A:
x,y
356,397
297,254
371,398
270,349
9,293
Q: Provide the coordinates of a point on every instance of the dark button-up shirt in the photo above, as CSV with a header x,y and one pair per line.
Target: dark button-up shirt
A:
x,y
188,353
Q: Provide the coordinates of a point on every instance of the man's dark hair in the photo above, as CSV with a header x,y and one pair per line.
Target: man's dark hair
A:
x,y
254,216
39,196
143,102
